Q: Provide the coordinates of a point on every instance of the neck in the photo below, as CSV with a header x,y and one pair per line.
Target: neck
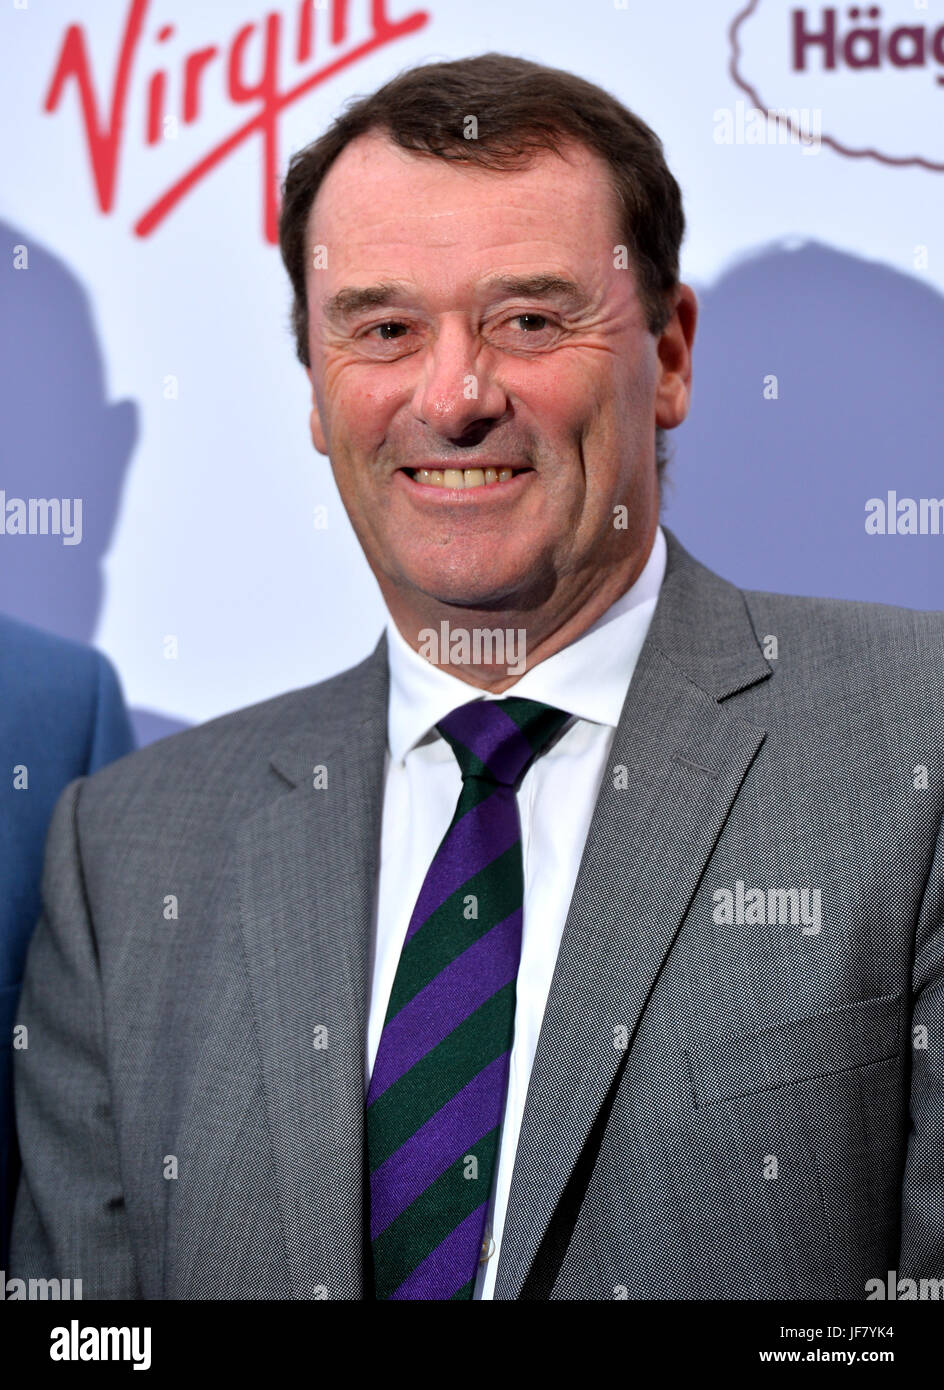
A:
x,y
491,648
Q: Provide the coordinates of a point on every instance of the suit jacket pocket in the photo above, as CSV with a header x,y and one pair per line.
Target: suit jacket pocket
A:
x,y
843,1039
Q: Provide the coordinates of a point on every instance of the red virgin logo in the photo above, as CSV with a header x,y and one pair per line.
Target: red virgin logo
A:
x,y
283,40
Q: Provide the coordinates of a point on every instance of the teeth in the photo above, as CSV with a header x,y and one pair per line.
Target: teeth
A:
x,y
462,477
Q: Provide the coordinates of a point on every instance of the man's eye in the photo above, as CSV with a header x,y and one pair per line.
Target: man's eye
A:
x,y
514,331
525,325
526,332
380,327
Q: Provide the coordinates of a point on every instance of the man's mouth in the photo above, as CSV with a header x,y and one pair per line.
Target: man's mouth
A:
x,y
463,477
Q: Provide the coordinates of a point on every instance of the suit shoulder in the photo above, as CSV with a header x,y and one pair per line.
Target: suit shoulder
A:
x,y
53,692
219,751
39,660
843,617
883,643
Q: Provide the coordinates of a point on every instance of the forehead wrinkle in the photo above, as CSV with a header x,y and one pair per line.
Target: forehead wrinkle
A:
x,y
352,299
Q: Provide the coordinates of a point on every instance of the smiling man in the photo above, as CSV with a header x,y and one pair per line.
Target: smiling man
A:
x,y
489,407
618,978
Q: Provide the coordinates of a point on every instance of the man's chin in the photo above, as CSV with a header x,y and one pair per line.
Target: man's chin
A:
x,y
471,597
505,593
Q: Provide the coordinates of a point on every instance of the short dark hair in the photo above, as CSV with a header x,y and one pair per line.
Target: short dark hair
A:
x,y
520,108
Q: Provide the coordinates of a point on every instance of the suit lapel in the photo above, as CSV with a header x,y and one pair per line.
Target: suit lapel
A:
x,y
685,756
308,870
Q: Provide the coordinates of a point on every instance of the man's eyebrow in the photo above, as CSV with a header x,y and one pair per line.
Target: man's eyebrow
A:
x,y
556,287
354,300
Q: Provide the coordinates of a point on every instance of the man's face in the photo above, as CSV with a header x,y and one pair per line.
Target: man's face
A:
x,y
451,364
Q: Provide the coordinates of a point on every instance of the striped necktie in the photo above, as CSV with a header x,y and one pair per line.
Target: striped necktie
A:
x,y
437,1092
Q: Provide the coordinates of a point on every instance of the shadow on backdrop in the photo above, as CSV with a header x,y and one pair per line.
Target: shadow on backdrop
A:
x,y
772,493
61,439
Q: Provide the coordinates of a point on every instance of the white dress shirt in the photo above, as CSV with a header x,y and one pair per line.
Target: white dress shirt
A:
x,y
589,678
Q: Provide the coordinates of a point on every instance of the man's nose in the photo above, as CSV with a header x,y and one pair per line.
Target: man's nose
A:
x,y
457,389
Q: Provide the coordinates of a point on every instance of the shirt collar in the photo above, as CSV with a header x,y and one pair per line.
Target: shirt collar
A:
x,y
589,678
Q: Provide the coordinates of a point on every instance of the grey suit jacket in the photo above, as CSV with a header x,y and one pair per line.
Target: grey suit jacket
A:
x,y
724,1102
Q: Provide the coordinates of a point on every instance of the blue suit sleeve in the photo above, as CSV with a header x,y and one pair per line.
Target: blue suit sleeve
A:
x,y
64,716
112,735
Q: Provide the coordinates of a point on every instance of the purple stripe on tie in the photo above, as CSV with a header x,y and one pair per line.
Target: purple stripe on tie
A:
x,y
494,738
457,991
469,846
446,1136
449,1267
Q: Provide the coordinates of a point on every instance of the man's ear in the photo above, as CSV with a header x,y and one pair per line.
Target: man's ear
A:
x,y
673,392
314,420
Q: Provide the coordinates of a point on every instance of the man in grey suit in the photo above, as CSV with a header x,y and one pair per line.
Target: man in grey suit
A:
x,y
656,1007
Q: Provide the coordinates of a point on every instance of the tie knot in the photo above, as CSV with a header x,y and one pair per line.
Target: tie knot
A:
x,y
497,739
